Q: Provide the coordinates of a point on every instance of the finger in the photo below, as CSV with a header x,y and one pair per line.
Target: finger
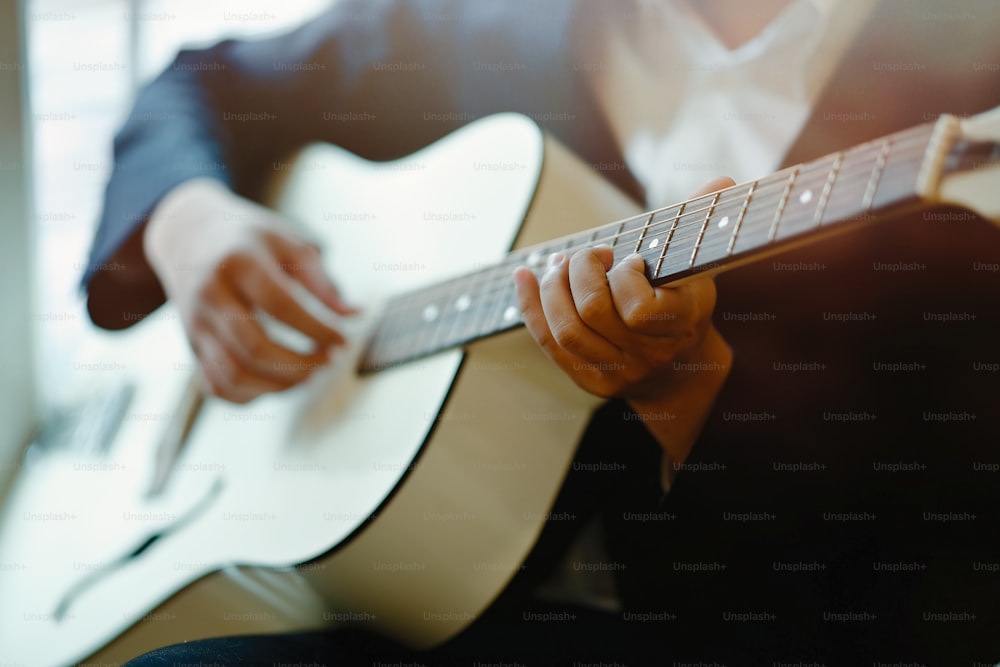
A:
x,y
226,378
240,331
588,283
303,262
641,307
568,329
714,185
265,285
529,300
661,310
701,295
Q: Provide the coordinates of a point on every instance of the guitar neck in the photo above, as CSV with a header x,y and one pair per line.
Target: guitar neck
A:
x,y
706,234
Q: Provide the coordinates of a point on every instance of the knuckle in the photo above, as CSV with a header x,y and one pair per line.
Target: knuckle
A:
x,y
548,282
646,317
635,315
255,345
287,373
545,341
300,257
593,307
567,335
232,264
231,373
587,257
602,387
269,302
250,342
208,293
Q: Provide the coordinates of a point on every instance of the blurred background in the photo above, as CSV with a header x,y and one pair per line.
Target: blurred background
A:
x,y
69,70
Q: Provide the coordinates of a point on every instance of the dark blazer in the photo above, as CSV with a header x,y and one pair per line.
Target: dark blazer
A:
x,y
842,514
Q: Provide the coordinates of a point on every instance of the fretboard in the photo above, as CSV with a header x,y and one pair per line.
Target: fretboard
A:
x,y
708,233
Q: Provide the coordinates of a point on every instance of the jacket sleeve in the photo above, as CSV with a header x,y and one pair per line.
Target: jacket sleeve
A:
x,y
379,78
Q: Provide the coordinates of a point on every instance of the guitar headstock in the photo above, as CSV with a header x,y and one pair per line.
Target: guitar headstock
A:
x,y
962,164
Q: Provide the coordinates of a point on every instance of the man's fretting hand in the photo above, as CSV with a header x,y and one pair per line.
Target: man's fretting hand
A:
x,y
614,334
222,260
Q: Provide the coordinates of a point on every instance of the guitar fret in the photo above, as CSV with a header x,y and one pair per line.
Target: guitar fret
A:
x,y
680,252
901,171
502,301
505,311
645,230
630,228
668,240
781,205
704,226
883,157
804,201
401,344
396,317
843,202
440,324
739,220
430,316
827,187
616,235
479,323
718,234
465,308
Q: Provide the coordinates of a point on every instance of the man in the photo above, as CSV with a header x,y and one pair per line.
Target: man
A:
x,y
799,526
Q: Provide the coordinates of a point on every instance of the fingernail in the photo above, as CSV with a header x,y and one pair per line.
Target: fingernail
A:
x,y
520,279
555,259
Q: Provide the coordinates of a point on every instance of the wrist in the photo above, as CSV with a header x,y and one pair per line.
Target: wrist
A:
x,y
675,408
167,231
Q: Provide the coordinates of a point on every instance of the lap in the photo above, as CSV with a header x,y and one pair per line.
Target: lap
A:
x,y
541,634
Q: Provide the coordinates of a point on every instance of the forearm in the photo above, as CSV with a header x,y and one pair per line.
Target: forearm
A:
x,y
675,413
164,143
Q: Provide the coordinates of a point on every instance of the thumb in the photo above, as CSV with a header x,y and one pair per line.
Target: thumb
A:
x,y
714,185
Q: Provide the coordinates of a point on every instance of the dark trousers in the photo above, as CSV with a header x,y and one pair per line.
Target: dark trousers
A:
x,y
540,634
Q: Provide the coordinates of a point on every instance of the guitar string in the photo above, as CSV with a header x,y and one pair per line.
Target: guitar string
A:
x,y
488,284
778,178
516,258
496,295
487,281
488,278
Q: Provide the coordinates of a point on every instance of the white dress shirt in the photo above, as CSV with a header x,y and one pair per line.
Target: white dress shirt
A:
x,y
685,108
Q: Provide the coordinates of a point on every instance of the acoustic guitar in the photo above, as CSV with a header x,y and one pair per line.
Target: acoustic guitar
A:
x,y
401,487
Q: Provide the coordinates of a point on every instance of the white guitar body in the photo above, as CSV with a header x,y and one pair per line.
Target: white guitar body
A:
x,y
481,439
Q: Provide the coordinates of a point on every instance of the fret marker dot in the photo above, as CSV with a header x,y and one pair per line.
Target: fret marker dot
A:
x,y
430,313
806,197
463,303
724,222
654,243
509,314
